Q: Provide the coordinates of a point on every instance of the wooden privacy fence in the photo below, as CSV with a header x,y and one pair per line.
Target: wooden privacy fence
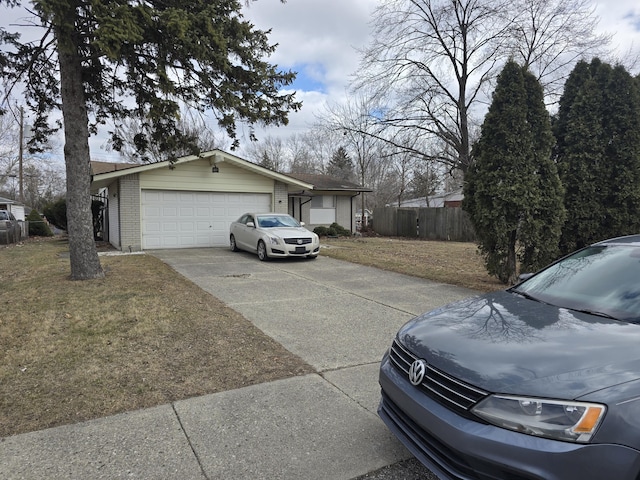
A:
x,y
448,223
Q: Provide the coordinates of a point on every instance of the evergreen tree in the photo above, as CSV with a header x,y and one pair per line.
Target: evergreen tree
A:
x,y
266,162
621,129
512,191
598,154
580,155
340,165
116,59
540,234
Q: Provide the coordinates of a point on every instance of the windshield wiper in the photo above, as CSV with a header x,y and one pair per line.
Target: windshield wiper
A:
x,y
594,312
527,296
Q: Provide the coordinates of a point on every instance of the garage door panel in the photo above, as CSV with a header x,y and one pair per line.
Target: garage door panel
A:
x,y
194,219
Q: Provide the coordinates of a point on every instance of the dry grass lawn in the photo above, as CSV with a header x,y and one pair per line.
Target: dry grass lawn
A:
x,y
144,335
455,263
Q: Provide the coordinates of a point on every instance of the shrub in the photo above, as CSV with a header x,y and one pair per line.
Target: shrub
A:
x,y
334,230
321,231
37,226
339,230
56,213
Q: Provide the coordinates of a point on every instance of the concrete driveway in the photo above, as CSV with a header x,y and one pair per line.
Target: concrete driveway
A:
x,y
337,316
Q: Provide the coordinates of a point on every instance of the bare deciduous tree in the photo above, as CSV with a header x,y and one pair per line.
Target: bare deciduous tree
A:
x,y
8,150
361,132
430,61
433,62
550,37
269,152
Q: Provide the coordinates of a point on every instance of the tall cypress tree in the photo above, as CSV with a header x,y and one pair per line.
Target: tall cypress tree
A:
x,y
580,155
598,133
622,153
512,191
541,231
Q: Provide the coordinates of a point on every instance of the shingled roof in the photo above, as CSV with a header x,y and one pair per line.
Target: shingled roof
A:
x,y
328,183
106,167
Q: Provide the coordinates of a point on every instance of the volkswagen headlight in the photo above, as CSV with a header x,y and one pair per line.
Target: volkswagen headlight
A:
x,y
555,419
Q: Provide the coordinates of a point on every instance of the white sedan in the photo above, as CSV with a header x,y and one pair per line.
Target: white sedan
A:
x,y
272,235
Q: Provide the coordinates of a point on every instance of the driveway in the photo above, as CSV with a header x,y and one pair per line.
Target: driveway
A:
x,y
333,314
337,316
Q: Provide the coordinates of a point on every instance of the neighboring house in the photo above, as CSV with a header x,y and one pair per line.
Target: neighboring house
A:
x,y
449,199
191,202
368,217
14,207
331,200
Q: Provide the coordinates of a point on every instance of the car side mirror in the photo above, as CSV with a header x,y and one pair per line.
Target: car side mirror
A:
x,y
251,224
302,223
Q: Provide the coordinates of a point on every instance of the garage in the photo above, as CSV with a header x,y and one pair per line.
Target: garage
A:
x,y
187,202
183,219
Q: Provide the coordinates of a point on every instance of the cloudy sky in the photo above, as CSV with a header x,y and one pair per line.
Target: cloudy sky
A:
x,y
318,39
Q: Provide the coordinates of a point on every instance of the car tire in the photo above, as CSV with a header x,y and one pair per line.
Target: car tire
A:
x,y
232,244
262,252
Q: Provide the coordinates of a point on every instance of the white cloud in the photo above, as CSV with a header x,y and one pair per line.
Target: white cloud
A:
x,y
621,18
319,38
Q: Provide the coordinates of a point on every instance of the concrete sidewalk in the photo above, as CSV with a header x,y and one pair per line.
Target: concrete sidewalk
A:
x,y
337,316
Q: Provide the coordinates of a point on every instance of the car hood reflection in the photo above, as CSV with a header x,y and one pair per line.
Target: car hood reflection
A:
x,y
288,231
505,343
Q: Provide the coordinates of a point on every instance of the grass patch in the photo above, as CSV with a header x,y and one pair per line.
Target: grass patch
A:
x,y
455,263
142,336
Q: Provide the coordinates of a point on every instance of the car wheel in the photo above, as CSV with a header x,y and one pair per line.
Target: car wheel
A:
x,y
262,251
232,243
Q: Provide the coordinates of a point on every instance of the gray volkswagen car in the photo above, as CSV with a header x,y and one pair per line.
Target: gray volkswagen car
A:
x,y
541,381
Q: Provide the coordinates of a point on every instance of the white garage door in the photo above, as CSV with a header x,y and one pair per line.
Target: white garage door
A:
x,y
172,219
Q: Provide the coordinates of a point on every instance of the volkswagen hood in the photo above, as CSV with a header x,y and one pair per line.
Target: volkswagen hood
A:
x,y
505,343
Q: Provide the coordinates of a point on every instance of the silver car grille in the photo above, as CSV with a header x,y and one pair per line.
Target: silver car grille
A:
x,y
297,241
440,386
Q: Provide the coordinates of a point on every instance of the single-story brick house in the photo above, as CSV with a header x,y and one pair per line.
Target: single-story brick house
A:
x,y
192,201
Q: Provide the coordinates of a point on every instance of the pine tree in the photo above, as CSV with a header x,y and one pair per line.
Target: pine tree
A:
x,y
117,59
512,191
598,154
340,165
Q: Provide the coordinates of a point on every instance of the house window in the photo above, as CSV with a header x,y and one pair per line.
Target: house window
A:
x,y
323,201
323,210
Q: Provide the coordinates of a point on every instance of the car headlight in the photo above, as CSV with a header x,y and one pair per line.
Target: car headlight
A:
x,y
555,419
274,240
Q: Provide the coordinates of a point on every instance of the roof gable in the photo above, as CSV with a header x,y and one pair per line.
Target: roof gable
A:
x,y
104,173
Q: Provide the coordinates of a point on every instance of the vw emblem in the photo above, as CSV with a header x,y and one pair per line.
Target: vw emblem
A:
x,y
299,241
417,371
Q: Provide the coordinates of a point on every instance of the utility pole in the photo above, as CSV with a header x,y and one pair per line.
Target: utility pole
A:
x,y
20,155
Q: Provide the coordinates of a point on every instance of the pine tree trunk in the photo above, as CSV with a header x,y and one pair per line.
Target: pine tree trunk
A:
x,y
85,263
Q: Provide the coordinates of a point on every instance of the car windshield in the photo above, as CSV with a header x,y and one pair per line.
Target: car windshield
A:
x,y
270,221
602,280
